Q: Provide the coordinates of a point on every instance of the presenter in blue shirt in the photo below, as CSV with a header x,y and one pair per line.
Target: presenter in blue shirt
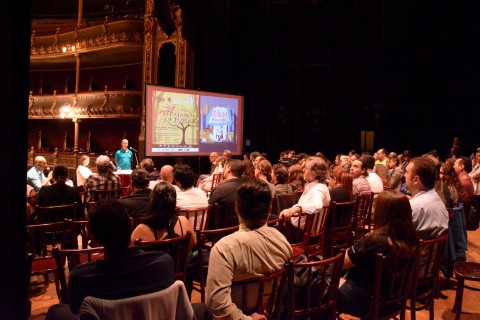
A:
x,y
123,157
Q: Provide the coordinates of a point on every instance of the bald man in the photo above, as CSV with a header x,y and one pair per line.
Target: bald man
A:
x,y
166,174
35,177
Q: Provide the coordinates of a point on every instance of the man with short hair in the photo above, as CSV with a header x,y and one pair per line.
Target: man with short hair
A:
x,y
124,156
35,177
188,197
429,214
103,179
376,184
126,271
381,157
254,251
359,172
225,193
227,155
138,202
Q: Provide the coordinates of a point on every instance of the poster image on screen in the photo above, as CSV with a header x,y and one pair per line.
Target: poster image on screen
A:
x,y
182,122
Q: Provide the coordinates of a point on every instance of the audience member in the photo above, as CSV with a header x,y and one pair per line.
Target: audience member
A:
x,y
295,176
457,150
462,167
263,169
430,217
104,179
148,165
161,221
225,193
475,173
376,184
382,157
254,251
359,174
340,185
345,163
138,202
393,235
58,193
315,196
396,175
227,155
280,180
188,197
35,176
207,183
83,172
249,171
123,157
126,271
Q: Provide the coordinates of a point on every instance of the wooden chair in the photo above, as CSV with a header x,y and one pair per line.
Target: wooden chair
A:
x,y
206,239
297,232
93,196
222,217
432,255
284,201
198,218
177,248
340,226
316,242
216,178
74,257
362,214
464,271
42,238
315,295
392,286
264,295
28,275
47,214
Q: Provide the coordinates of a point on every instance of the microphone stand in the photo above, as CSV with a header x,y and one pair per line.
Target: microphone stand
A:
x,y
136,159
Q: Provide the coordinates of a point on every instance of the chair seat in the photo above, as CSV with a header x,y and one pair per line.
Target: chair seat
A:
x,y
43,265
297,250
467,270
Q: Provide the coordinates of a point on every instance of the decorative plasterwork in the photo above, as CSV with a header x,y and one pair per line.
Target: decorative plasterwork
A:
x,y
108,104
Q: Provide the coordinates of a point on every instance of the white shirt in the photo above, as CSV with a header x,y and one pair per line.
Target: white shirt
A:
x,y
314,198
82,174
375,182
193,198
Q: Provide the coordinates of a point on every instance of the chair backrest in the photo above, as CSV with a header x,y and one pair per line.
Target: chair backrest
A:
x,y
263,295
317,239
177,248
392,285
296,232
432,255
340,226
73,257
206,239
284,201
107,194
222,217
169,303
47,214
315,295
42,238
363,214
198,218
216,178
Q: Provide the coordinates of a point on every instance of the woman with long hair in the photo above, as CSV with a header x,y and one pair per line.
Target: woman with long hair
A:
x,y
393,235
340,185
161,222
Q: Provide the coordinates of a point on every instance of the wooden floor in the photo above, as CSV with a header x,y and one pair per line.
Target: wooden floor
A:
x,y
443,306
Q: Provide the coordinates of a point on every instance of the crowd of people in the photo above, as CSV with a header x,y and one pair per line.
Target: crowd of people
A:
x,y
413,197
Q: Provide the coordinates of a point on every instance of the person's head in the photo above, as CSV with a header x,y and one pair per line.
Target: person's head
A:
x,y
184,176
249,171
345,161
433,153
147,164
124,144
103,164
407,155
162,206
40,163
253,202
358,168
393,217
369,161
227,155
60,173
110,225
253,155
393,161
301,158
139,179
462,164
246,156
420,175
339,177
85,160
234,168
213,157
315,169
279,174
263,169
382,154
166,173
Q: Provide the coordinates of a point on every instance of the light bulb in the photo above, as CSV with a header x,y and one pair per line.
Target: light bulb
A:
x,y
64,49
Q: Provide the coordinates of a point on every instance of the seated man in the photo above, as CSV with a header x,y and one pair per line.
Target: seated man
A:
x,y
104,179
35,176
225,193
254,251
138,202
126,271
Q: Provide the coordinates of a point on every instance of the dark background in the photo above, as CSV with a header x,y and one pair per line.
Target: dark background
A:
x,y
316,73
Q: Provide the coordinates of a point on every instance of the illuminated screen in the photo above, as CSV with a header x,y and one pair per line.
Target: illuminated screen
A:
x,y
181,122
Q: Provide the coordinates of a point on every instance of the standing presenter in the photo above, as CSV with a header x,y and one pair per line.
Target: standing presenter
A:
x,y
123,157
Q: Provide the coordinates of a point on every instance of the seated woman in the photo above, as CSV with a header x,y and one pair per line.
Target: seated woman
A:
x,y
280,180
393,234
161,222
340,185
